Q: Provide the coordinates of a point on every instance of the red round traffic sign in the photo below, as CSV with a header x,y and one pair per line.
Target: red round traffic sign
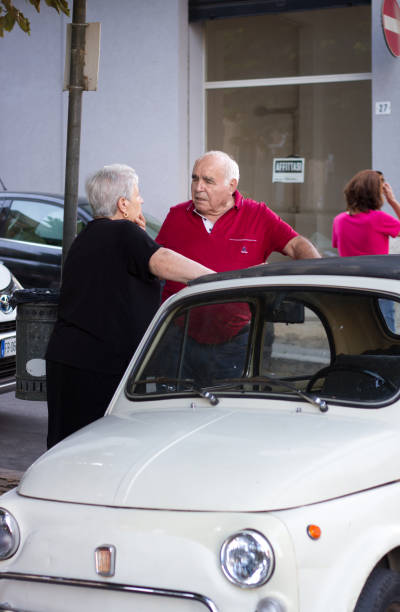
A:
x,y
391,25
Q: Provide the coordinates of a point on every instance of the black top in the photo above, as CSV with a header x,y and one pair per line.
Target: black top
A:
x,y
108,297
375,266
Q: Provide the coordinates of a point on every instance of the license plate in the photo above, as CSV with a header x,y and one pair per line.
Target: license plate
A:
x,y
8,347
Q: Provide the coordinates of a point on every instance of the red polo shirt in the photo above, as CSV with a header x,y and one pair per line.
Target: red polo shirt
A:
x,y
244,236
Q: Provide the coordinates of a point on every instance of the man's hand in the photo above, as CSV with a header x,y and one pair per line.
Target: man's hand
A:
x,y
301,248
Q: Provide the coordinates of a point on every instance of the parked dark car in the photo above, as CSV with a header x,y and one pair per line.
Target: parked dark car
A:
x,y
31,229
8,344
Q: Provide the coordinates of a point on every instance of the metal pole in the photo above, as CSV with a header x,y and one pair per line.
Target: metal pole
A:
x,y
76,87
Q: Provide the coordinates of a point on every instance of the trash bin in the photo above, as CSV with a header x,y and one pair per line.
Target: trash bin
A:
x,y
36,315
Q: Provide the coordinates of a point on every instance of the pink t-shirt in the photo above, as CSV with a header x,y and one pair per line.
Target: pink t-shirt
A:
x,y
364,233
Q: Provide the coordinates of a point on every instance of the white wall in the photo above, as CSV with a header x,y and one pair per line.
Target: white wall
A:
x,y
385,87
32,105
138,116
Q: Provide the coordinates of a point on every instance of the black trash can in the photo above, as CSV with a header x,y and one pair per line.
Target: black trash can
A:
x,y
36,315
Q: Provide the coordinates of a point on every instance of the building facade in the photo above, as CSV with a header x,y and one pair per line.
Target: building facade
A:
x,y
264,80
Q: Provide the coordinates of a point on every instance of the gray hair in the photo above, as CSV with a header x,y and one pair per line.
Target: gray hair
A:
x,y
231,167
107,186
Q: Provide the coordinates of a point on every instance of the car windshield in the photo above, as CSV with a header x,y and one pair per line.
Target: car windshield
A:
x,y
340,345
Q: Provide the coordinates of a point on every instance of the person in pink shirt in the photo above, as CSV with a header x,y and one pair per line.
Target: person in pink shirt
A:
x,y
364,228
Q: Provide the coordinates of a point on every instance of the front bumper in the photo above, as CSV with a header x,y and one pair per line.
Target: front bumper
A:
x,y
138,596
164,560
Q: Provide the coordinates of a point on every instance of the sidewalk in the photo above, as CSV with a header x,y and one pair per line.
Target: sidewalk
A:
x,y
9,479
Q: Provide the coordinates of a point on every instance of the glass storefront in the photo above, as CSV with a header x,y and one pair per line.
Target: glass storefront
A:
x,y
327,121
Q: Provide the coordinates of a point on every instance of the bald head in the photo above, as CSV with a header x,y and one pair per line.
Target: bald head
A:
x,y
225,162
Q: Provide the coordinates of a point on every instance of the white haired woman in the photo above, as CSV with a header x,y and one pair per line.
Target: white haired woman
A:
x,y
109,293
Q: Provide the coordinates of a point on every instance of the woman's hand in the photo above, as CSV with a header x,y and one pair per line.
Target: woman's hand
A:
x,y
389,195
141,221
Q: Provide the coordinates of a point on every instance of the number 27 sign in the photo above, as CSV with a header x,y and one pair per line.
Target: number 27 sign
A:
x,y
383,108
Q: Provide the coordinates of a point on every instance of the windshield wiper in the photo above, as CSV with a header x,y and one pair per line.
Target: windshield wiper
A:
x,y
172,385
207,392
271,378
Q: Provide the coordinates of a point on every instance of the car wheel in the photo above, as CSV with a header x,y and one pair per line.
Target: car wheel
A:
x,y
381,592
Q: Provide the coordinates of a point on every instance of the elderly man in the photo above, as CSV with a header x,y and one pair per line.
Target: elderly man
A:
x,y
223,230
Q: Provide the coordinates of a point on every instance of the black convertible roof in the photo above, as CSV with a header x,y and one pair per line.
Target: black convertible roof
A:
x,y
375,266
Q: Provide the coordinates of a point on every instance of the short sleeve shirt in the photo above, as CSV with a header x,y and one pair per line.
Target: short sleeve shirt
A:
x,y
244,236
108,297
364,233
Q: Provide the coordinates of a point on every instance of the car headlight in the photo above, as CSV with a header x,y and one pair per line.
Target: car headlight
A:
x,y
7,302
9,535
247,559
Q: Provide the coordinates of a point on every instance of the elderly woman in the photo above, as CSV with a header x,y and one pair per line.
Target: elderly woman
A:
x,y
109,294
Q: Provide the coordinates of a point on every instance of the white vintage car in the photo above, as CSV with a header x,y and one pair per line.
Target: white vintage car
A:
x,y
248,462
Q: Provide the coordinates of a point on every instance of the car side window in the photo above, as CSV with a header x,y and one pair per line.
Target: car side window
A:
x,y
4,204
33,221
390,312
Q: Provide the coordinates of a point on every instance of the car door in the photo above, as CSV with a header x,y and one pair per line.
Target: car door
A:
x,y
31,238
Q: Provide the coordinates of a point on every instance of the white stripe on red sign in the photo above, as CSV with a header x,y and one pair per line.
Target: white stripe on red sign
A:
x,y
391,24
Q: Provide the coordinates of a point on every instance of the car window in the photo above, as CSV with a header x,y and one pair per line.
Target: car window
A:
x,y
4,202
275,342
203,343
38,222
390,313
152,225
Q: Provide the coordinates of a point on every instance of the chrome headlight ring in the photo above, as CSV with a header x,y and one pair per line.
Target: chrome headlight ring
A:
x,y
7,303
9,535
247,559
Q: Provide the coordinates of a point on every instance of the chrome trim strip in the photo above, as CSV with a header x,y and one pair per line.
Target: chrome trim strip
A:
x,y
40,244
7,386
110,586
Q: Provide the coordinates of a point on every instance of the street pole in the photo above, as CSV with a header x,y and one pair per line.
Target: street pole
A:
x,y
76,87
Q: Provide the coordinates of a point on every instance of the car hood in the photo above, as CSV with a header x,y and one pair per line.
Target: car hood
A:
x,y
218,458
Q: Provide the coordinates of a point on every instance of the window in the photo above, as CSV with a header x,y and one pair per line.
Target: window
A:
x,y
205,343
38,222
275,342
293,84
290,44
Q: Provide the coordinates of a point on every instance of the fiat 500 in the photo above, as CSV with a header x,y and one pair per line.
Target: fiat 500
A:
x,y
248,462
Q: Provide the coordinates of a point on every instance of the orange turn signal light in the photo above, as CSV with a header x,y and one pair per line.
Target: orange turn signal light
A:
x,y
314,532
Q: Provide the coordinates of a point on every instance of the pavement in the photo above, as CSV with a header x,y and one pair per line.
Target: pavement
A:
x,y
23,430
9,479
